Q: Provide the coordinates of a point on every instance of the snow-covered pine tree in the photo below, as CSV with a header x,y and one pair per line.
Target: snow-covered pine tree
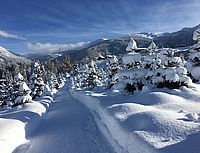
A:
x,y
3,92
171,73
131,77
113,69
53,82
21,92
193,66
193,63
92,78
196,37
36,81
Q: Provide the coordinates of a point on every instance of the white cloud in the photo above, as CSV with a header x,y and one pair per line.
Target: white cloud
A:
x,y
48,47
5,34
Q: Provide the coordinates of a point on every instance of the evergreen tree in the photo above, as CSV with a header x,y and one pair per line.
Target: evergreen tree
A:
x,y
36,81
21,92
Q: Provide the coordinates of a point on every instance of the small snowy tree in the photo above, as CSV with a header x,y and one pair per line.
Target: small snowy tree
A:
x,y
113,69
36,81
3,92
92,78
23,95
21,92
171,73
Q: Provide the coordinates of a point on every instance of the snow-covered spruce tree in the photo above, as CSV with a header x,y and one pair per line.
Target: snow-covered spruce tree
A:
x,y
3,92
53,82
113,68
36,82
149,68
193,63
193,66
196,37
92,77
171,73
21,92
131,77
75,78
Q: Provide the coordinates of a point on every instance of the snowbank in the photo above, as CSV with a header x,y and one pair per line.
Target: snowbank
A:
x,y
16,124
159,120
121,139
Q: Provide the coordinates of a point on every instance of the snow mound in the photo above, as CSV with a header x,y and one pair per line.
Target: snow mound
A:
x,y
17,123
162,119
12,134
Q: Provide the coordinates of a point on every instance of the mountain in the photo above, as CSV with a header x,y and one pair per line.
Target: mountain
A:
x,y
10,57
181,38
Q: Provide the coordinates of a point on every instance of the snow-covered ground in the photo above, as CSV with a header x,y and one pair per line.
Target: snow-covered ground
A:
x,y
158,120
16,124
150,121
68,126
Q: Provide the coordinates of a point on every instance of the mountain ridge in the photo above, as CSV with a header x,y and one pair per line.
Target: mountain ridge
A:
x,y
181,38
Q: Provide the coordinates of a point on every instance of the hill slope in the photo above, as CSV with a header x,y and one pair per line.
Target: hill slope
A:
x,y
9,57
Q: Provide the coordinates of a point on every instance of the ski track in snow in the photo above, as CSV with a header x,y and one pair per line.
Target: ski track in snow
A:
x,y
68,127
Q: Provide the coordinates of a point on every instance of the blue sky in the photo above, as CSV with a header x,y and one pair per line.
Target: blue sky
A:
x,y
38,25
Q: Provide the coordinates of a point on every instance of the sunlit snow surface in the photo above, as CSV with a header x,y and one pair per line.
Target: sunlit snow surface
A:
x,y
160,119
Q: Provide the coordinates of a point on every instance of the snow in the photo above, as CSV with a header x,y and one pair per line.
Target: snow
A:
x,y
196,35
18,77
23,99
154,120
24,87
132,45
2,48
152,46
68,126
113,60
11,130
17,123
131,58
133,74
196,72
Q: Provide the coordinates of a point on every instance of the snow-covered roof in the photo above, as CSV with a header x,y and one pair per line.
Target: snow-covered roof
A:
x,y
152,46
18,76
132,45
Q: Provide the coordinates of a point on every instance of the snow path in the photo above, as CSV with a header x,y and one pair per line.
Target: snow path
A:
x,y
68,127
